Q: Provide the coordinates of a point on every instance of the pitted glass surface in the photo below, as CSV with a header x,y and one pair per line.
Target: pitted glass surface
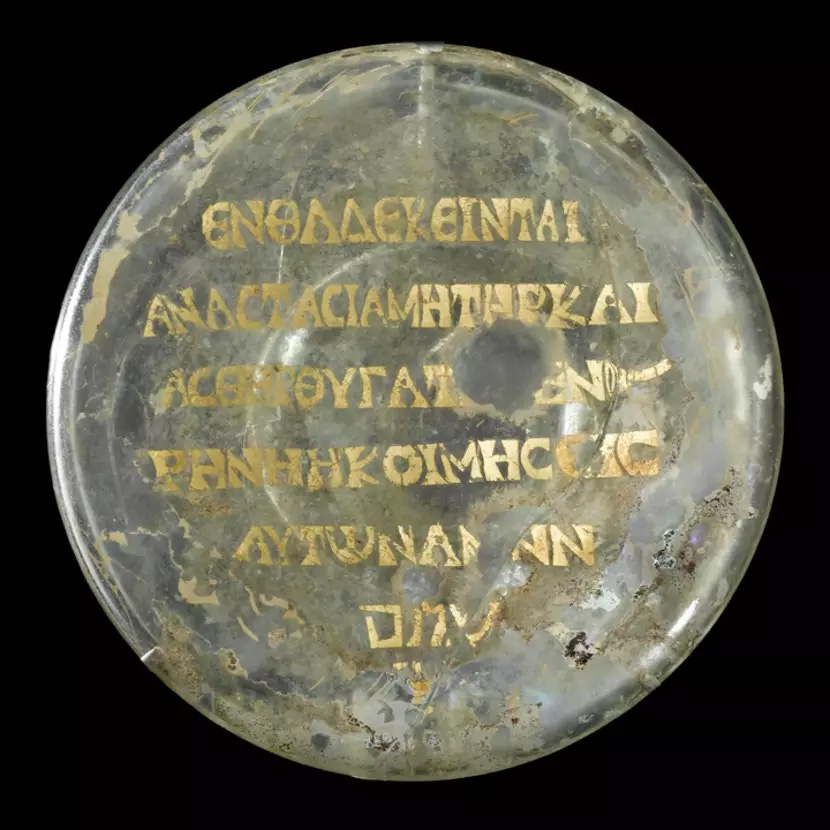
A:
x,y
414,411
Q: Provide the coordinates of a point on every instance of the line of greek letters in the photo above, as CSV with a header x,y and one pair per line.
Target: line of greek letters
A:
x,y
388,620
581,455
392,219
312,545
364,387
280,305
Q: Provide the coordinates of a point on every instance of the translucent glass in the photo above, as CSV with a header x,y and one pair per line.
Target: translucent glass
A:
x,y
414,411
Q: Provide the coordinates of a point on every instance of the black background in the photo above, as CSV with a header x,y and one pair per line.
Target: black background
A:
x,y
741,717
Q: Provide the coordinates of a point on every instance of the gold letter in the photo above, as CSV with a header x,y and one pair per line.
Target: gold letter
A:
x,y
250,468
325,303
309,387
357,478
245,294
504,301
539,546
210,224
216,305
413,229
386,553
232,392
340,390
470,297
510,457
414,465
411,306
638,468
175,386
275,224
572,222
279,293
583,548
469,545
281,542
608,299
167,463
642,310
371,305
366,373
196,398
522,208
547,220
467,232
565,455
441,305
292,468
396,640
440,377
307,304
253,225
560,315
317,213
352,210
315,478
428,452
470,459
445,213
255,539
350,555
215,468
310,534
539,473
185,313
387,225
158,315
436,538
500,225
529,308
403,381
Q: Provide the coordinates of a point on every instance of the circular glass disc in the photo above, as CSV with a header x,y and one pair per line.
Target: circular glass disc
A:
x,y
414,411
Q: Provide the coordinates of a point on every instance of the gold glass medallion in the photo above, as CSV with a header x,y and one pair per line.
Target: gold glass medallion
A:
x,y
414,411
